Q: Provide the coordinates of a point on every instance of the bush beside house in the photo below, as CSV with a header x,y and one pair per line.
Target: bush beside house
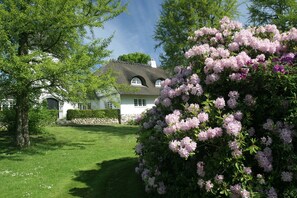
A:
x,y
226,125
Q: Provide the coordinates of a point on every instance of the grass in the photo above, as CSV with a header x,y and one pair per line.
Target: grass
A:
x,y
67,162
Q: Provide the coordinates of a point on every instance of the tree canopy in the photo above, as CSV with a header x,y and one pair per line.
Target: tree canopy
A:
x,y
282,13
135,57
180,18
42,48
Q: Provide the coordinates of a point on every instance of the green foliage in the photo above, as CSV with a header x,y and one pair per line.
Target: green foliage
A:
x,y
103,113
278,12
42,48
135,58
38,119
180,18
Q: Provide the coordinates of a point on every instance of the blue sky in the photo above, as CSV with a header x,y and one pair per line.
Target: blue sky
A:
x,y
133,30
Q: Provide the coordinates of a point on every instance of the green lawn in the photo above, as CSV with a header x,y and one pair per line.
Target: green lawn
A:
x,y
72,162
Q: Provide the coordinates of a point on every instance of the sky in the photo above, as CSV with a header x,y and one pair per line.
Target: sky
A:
x,y
134,29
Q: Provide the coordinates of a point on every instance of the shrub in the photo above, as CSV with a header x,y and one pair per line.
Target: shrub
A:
x,y
225,126
38,118
102,113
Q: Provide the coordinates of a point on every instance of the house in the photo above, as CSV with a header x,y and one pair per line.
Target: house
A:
x,y
142,86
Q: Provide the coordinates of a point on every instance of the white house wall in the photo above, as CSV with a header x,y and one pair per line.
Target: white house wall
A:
x,y
63,105
127,104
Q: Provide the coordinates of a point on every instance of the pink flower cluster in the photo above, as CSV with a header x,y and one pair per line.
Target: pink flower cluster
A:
x,y
287,176
238,191
235,148
183,125
207,184
184,147
210,134
264,159
200,169
232,126
220,103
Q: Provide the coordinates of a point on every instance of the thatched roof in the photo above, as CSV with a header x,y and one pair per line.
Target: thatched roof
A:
x,y
125,71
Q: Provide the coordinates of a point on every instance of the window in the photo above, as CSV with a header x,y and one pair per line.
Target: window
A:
x,y
158,83
84,106
136,81
139,102
109,105
7,104
52,103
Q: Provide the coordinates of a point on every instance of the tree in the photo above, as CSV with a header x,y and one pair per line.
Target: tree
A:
x,y
135,58
42,48
180,18
282,13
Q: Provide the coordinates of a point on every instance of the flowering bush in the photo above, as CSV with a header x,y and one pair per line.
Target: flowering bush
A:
x,y
225,125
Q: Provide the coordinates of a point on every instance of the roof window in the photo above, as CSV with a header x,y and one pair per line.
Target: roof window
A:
x,y
158,83
136,81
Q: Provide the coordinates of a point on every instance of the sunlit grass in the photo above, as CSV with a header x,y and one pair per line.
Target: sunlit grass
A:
x,y
72,162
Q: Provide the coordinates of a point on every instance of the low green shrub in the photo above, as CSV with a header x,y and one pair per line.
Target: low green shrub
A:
x,y
102,113
38,118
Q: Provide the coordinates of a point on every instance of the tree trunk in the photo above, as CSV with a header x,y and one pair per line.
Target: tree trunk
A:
x,y
22,122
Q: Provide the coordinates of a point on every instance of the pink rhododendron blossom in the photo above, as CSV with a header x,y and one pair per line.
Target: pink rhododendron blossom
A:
x,y
183,147
173,118
238,115
232,103
211,78
249,100
203,117
247,170
166,102
201,183
233,145
208,185
269,125
193,108
174,145
200,169
233,94
236,153
219,179
202,136
286,135
264,159
287,176
271,193
233,128
220,103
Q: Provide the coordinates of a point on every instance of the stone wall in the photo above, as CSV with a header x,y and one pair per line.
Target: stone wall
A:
x,y
125,118
89,121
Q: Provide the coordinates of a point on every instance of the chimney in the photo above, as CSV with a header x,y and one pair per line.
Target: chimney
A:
x,y
152,63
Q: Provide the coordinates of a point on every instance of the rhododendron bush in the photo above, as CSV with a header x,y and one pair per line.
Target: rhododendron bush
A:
x,y
225,126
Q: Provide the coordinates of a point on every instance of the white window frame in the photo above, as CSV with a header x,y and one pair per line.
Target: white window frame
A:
x,y
139,102
136,81
158,83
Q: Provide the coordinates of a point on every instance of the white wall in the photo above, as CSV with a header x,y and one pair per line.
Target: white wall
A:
x,y
63,106
127,104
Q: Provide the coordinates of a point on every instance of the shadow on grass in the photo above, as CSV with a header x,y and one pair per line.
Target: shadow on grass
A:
x,y
43,142
113,179
39,145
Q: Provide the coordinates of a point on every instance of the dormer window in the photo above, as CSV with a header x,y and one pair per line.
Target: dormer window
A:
x,y
158,83
136,81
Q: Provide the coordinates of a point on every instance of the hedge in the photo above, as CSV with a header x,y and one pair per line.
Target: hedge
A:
x,y
102,113
38,118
